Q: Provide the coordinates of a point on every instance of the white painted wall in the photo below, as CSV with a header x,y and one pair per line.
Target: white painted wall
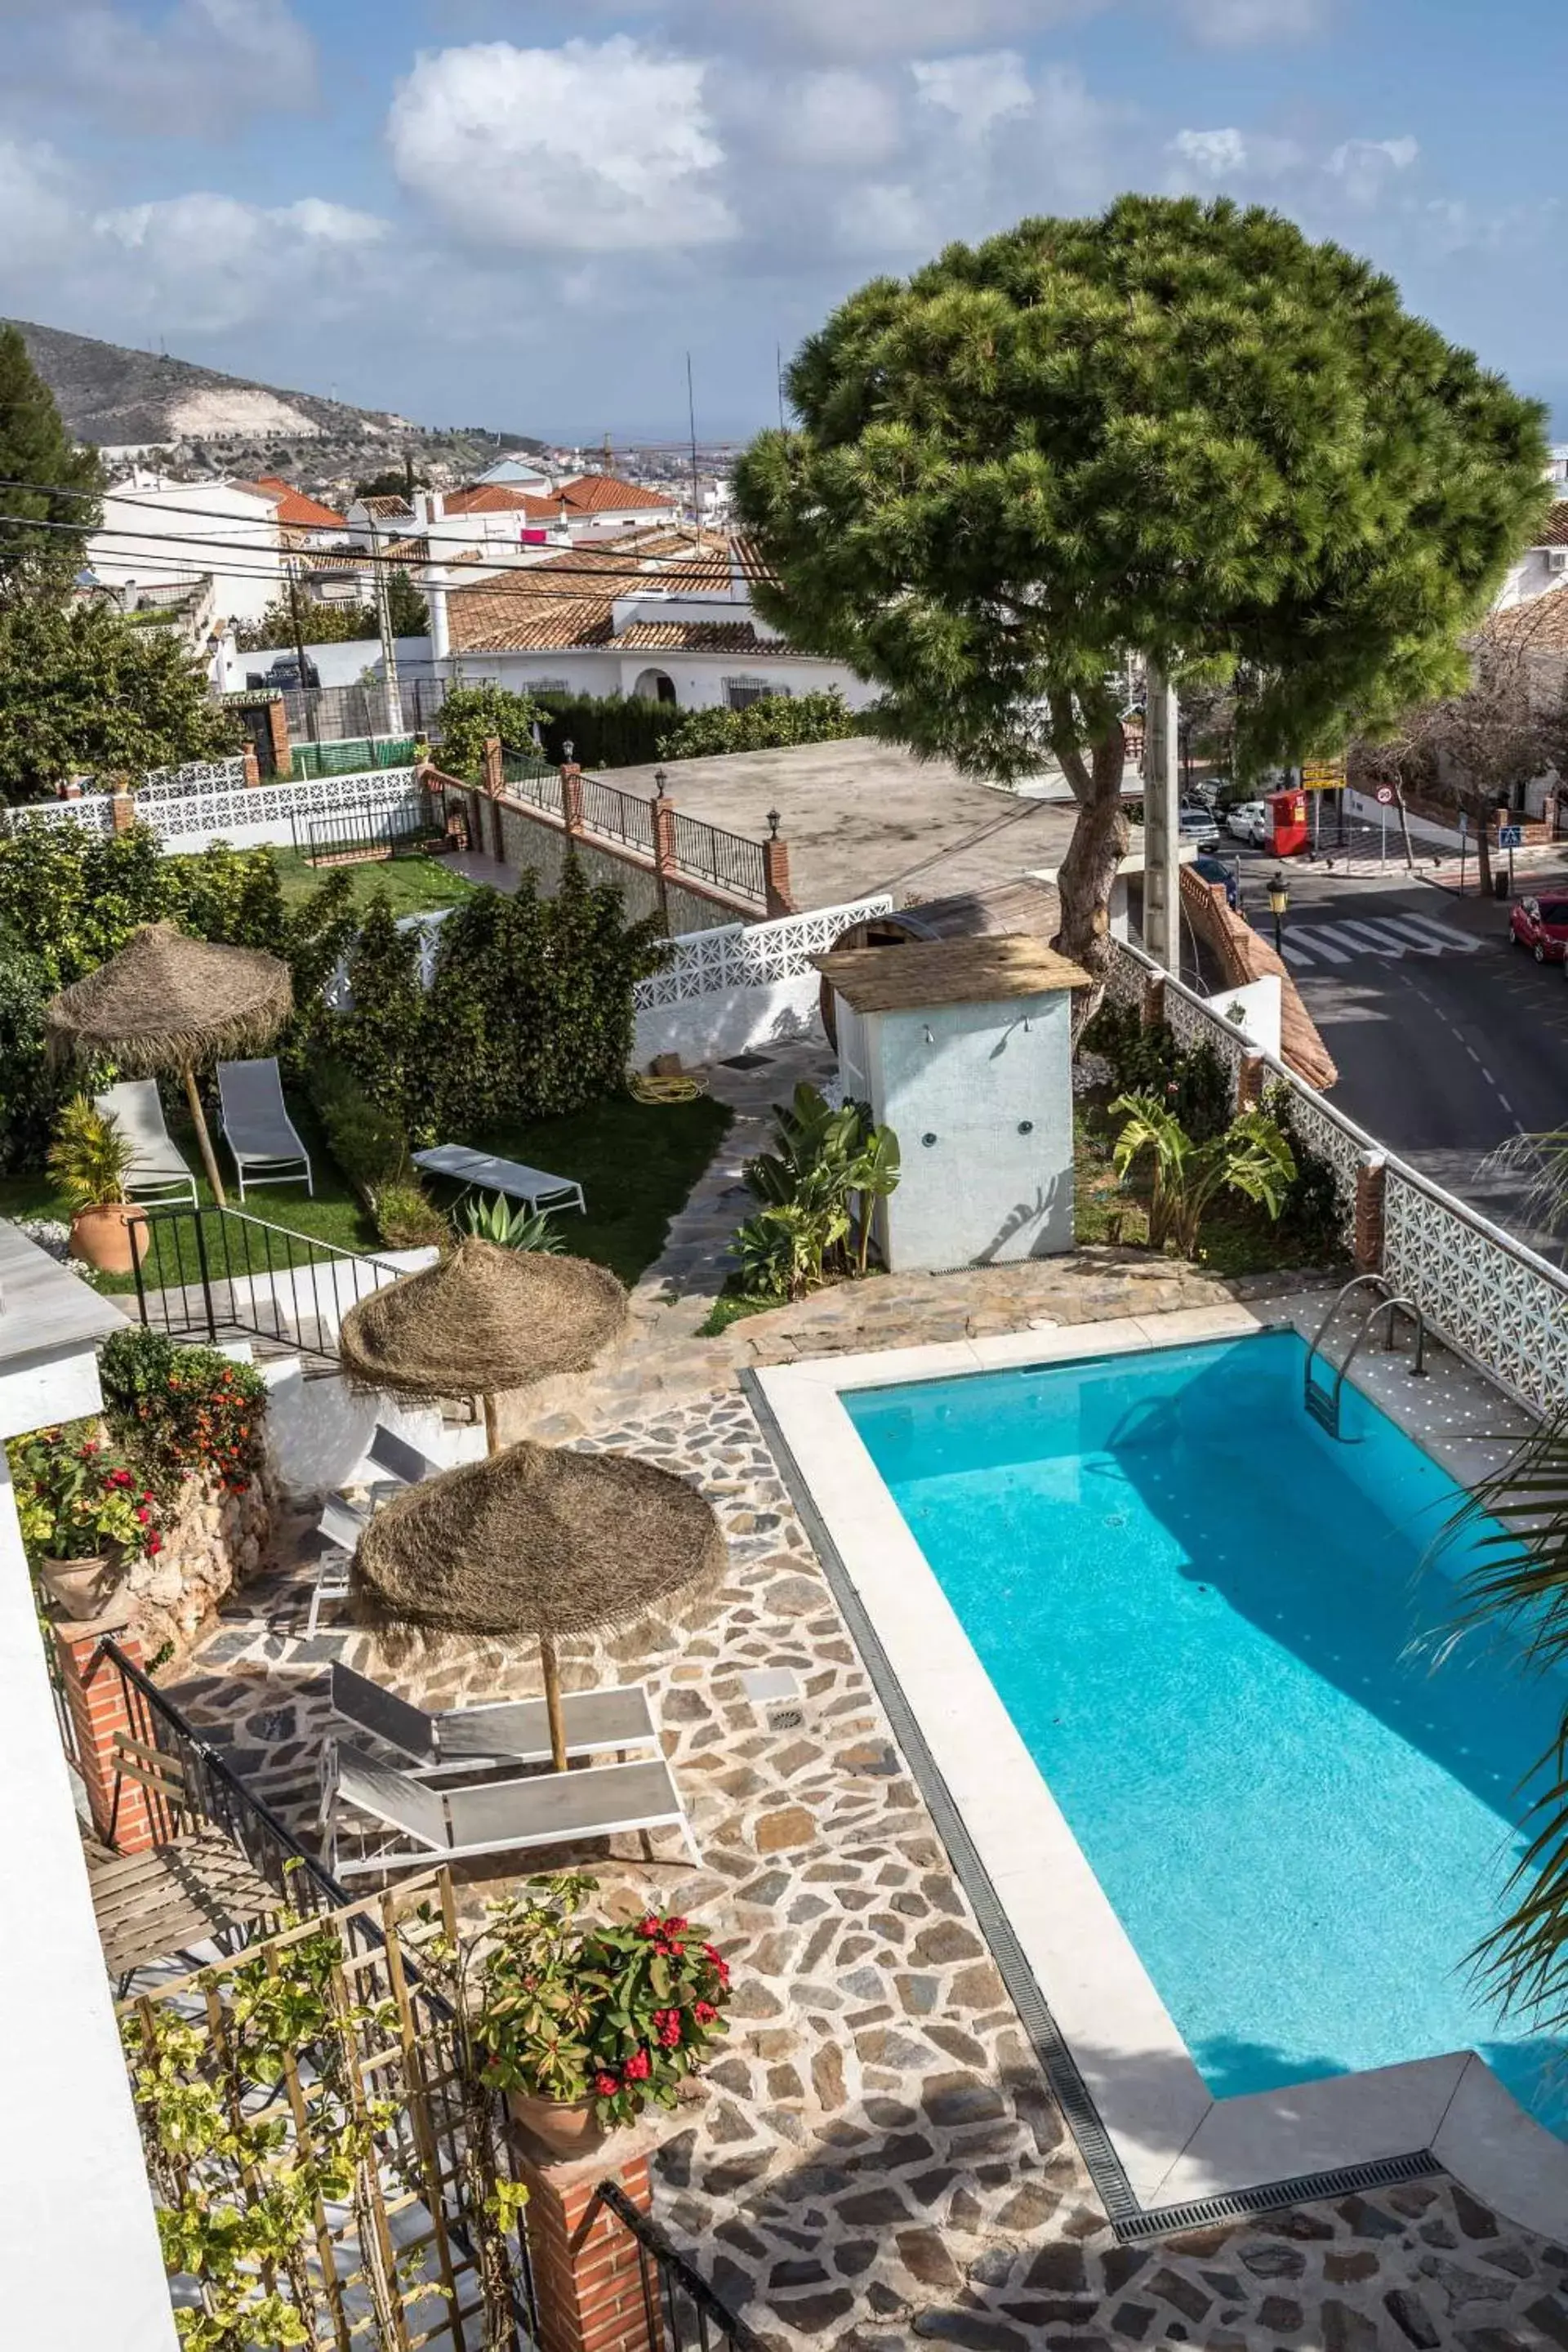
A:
x,y
1258,1004
318,1430
730,1021
1538,571
150,524
79,2245
698,679
975,1078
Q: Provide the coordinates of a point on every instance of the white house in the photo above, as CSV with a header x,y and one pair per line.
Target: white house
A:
x,y
154,530
667,615
516,471
1543,566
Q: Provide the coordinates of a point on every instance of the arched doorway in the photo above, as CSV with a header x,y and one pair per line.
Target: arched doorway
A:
x,y
654,686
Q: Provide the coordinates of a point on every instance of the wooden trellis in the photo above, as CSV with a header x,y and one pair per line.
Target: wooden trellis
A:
x,y
416,2244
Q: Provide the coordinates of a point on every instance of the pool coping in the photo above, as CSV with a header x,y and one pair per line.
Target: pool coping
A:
x,y
1159,2144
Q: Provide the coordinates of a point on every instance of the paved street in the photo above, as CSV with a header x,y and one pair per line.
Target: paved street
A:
x,y
1447,1039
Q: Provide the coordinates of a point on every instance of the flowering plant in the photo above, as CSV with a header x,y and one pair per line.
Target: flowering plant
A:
x,y
76,1498
183,1410
617,2015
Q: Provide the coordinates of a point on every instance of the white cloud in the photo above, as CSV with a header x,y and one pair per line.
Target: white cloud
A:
x,y
37,203
186,73
1248,24
1209,157
591,148
836,119
1364,166
214,262
877,29
976,91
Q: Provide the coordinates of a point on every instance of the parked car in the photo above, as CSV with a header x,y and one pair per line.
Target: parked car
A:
x,y
1223,878
285,671
1251,822
1195,823
1542,926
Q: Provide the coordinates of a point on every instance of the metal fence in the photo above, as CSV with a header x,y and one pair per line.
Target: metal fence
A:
x,y
680,2311
211,1274
728,860
332,714
615,815
359,833
354,756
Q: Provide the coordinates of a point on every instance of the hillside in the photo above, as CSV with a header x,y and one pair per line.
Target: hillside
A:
x,y
110,396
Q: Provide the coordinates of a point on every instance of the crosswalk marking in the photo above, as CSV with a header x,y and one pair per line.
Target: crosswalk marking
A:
x,y
1309,945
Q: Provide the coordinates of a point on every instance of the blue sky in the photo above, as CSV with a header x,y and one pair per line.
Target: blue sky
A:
x,y
520,214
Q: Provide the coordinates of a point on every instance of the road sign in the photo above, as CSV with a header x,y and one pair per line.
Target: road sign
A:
x,y
1385,795
1323,775
1510,836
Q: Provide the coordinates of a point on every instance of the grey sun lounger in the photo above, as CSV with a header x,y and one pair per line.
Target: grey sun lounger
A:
x,y
517,1730
342,1523
483,1171
258,1129
157,1170
439,1822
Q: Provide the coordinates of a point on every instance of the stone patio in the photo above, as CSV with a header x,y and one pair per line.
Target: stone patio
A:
x,y
877,2158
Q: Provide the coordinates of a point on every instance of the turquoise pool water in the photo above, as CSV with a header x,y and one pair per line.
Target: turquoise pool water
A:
x,y
1198,1609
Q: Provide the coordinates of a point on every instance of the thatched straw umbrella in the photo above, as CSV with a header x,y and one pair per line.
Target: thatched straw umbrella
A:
x,y
483,1320
167,1003
543,1542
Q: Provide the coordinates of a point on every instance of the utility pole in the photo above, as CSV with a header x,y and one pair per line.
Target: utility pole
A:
x,y
691,420
297,616
383,590
1162,824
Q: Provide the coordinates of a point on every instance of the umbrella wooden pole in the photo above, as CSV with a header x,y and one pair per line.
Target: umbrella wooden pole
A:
x,y
493,1425
553,1707
209,1159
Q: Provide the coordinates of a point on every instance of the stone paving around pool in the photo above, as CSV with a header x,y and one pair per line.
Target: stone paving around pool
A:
x,y
877,2159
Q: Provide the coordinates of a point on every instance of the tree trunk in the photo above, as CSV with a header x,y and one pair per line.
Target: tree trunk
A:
x,y
1483,855
1087,872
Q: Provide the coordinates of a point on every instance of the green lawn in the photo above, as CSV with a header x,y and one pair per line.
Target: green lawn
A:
x,y
414,885
636,1164
635,1161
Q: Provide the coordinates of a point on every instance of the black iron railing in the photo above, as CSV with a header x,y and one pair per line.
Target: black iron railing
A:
x,y
217,1274
680,2309
615,815
349,834
728,860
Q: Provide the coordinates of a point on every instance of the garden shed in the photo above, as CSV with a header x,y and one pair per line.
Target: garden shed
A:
x,y
963,1047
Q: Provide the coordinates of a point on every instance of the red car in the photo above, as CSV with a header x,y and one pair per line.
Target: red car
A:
x,y
1540,925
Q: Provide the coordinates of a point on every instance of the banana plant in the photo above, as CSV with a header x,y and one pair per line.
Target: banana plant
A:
x,y
1252,1157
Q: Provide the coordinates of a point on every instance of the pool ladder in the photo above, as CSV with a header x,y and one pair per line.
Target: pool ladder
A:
x,y
1323,1403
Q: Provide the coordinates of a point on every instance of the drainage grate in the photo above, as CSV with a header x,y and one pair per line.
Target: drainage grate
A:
x,y
787,1719
1307,2189
1127,2216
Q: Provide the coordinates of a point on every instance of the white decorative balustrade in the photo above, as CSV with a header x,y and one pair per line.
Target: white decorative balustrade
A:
x,y
1484,1294
189,818
753,955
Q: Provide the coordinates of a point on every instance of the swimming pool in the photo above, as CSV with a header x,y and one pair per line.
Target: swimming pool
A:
x,y
1198,1611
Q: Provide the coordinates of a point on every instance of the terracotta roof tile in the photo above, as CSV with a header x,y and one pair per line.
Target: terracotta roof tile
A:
x,y
1540,626
1553,531
294,507
388,509
695,638
497,498
524,609
603,494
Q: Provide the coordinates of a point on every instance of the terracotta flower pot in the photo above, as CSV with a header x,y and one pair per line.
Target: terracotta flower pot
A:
x,y
84,1589
561,2126
111,1237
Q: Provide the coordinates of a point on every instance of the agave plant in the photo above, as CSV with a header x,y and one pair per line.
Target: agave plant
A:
x,y
1516,1574
497,1221
1251,1157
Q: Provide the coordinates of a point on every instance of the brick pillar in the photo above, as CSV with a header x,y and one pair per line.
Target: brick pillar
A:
x,y
775,877
586,2273
1153,1003
662,810
96,1697
250,763
1250,1082
571,796
474,808
282,751
122,811
492,764
1370,1174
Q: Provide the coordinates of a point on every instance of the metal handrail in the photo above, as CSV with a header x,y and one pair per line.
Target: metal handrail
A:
x,y
1390,1304
672,2277
288,1258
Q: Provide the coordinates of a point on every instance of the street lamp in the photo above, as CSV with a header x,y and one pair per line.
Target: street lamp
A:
x,y
1278,899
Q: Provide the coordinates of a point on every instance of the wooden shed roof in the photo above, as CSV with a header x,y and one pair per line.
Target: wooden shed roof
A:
x,y
980,970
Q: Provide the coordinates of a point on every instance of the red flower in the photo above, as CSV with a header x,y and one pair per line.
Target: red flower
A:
x,y
154,1545
666,2025
605,2085
720,1964
120,1478
704,2011
674,1927
142,1513
638,2066
650,1927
